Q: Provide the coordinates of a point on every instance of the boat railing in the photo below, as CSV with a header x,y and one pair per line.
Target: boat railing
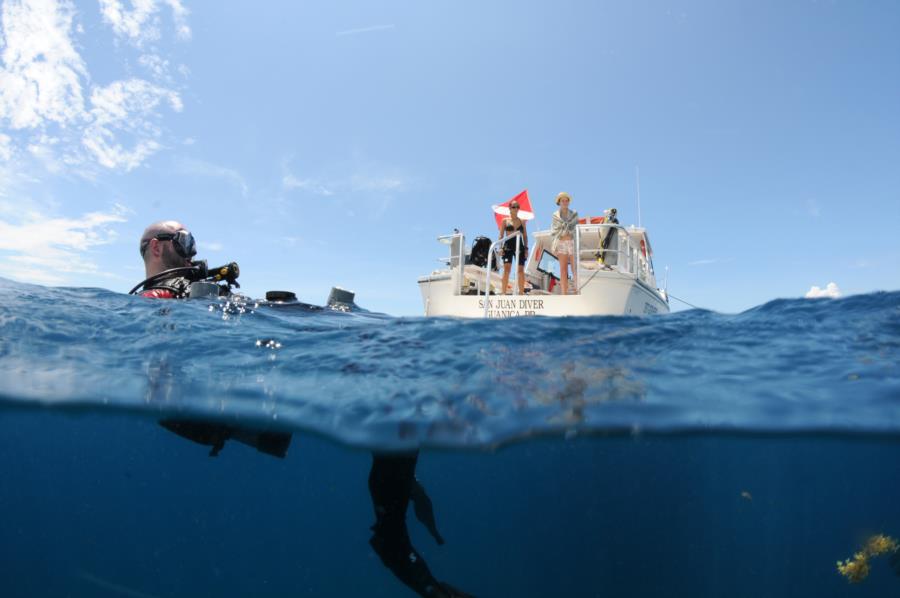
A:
x,y
600,252
456,241
628,259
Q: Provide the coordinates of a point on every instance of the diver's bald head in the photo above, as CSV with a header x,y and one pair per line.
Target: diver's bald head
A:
x,y
157,228
159,255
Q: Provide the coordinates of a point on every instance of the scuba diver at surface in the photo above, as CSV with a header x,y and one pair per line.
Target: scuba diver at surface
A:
x,y
167,248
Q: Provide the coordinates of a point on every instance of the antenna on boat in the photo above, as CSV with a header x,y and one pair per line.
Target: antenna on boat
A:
x,y
637,176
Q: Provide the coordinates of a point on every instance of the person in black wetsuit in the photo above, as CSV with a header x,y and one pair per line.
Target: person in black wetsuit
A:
x,y
507,227
392,482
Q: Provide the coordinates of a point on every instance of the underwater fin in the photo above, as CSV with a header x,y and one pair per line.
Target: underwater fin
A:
x,y
270,443
398,555
424,510
208,434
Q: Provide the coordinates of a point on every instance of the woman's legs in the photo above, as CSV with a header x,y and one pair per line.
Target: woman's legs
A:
x,y
506,268
564,273
520,278
572,263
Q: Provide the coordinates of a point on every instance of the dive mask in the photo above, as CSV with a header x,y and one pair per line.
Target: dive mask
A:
x,y
182,241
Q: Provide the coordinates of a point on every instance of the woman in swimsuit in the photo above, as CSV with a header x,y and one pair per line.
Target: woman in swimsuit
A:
x,y
507,227
563,231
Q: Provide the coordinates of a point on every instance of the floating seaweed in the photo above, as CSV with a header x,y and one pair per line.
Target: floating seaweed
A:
x,y
855,569
858,568
881,544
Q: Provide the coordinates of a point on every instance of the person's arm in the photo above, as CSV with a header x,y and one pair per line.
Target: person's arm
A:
x,y
524,235
502,229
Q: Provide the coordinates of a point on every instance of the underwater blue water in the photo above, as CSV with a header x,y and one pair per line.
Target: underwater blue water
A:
x,y
695,454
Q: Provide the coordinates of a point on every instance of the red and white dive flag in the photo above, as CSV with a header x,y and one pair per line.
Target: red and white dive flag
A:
x,y
501,211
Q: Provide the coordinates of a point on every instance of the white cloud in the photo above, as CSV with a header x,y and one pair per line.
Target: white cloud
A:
x,y
141,24
831,290
124,106
156,64
210,246
42,90
40,80
365,30
48,249
179,14
202,168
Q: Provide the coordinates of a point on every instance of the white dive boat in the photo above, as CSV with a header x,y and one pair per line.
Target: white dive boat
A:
x,y
614,277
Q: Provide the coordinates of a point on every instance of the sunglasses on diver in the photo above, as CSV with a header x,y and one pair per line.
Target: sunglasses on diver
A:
x,y
182,241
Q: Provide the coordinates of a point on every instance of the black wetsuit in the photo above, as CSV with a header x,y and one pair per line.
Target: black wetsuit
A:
x,y
393,484
176,287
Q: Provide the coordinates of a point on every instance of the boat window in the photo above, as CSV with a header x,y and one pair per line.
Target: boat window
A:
x,y
549,264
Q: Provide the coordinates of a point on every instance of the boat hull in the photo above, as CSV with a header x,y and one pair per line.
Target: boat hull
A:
x,y
612,296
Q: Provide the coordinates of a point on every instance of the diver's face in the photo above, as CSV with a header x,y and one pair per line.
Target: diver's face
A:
x,y
170,257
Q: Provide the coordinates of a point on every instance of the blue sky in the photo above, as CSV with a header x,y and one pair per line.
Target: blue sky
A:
x,y
330,143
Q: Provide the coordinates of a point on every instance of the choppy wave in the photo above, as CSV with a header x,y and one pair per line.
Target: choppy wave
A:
x,y
380,381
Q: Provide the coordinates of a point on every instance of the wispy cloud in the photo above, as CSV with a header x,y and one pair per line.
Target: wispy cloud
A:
x,y
123,106
290,182
365,30
709,261
365,181
378,183
195,167
362,184
831,290
53,113
43,249
141,24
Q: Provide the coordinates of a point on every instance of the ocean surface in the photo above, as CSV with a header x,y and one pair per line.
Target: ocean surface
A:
x,y
693,454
